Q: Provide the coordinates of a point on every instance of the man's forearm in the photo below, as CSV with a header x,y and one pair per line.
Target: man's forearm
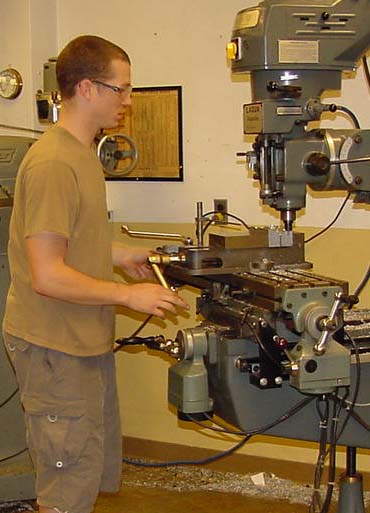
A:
x,y
67,284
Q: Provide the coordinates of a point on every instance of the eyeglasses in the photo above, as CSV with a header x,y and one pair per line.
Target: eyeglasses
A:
x,y
122,91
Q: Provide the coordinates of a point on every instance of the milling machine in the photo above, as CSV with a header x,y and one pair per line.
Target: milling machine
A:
x,y
273,331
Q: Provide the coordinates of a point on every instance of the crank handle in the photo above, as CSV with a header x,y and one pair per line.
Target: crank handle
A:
x,y
156,235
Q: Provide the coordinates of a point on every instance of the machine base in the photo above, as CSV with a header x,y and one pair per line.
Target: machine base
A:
x,y
351,499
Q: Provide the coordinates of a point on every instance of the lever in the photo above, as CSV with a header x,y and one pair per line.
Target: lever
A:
x,y
330,324
156,235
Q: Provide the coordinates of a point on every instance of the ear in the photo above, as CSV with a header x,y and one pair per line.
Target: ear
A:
x,y
85,89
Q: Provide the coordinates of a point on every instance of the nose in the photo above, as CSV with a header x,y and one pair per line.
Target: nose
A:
x,y
126,100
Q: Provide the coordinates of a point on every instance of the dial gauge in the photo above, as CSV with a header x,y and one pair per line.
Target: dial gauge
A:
x,y
10,83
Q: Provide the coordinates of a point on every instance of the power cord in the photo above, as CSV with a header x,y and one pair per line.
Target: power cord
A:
x,y
315,503
2,460
135,333
212,212
247,435
13,455
362,283
349,113
366,69
204,461
332,222
9,398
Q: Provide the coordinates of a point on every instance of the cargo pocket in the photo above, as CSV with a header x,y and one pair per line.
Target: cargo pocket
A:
x,y
57,433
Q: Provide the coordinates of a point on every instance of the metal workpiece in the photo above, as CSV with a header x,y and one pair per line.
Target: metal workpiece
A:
x,y
257,237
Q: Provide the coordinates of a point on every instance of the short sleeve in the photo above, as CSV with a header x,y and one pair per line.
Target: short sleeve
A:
x,y
51,199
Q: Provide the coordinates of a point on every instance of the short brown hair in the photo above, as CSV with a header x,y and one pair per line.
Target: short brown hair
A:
x,y
85,57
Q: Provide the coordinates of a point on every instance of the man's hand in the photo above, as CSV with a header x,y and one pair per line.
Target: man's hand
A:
x,y
153,299
132,260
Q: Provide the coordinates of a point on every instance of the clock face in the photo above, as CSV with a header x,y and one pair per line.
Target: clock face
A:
x,y
10,83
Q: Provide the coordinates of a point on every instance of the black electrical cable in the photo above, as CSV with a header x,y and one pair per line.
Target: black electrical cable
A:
x,y
13,455
205,461
363,283
332,222
9,398
220,428
315,502
347,111
360,420
366,69
247,435
142,325
334,437
353,401
257,431
207,225
332,459
227,214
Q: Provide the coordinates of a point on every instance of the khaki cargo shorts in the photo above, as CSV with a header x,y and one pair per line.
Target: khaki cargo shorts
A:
x,y
72,423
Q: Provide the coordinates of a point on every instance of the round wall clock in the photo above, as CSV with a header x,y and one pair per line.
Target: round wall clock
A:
x,y
10,83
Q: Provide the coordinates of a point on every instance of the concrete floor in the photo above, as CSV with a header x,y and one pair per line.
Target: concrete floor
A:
x,y
169,491
150,500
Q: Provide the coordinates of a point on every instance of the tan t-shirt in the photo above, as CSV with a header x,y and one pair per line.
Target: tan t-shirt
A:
x,y
60,188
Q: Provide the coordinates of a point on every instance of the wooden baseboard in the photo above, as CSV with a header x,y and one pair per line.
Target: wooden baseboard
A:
x,y
240,463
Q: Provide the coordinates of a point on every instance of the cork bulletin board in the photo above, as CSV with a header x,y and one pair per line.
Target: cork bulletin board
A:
x,y
154,123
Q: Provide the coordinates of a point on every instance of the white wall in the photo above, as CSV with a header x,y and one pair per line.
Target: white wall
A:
x,y
27,39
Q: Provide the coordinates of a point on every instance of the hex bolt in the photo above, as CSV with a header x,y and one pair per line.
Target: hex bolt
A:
x,y
263,382
255,368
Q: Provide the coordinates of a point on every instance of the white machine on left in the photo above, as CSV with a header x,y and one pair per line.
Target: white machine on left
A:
x,y
17,476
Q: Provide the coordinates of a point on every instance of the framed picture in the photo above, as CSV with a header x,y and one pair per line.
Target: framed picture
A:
x,y
153,125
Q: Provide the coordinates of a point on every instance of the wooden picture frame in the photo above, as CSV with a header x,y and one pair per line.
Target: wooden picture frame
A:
x,y
154,123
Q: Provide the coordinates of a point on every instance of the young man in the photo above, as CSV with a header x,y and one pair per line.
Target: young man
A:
x,y
59,319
